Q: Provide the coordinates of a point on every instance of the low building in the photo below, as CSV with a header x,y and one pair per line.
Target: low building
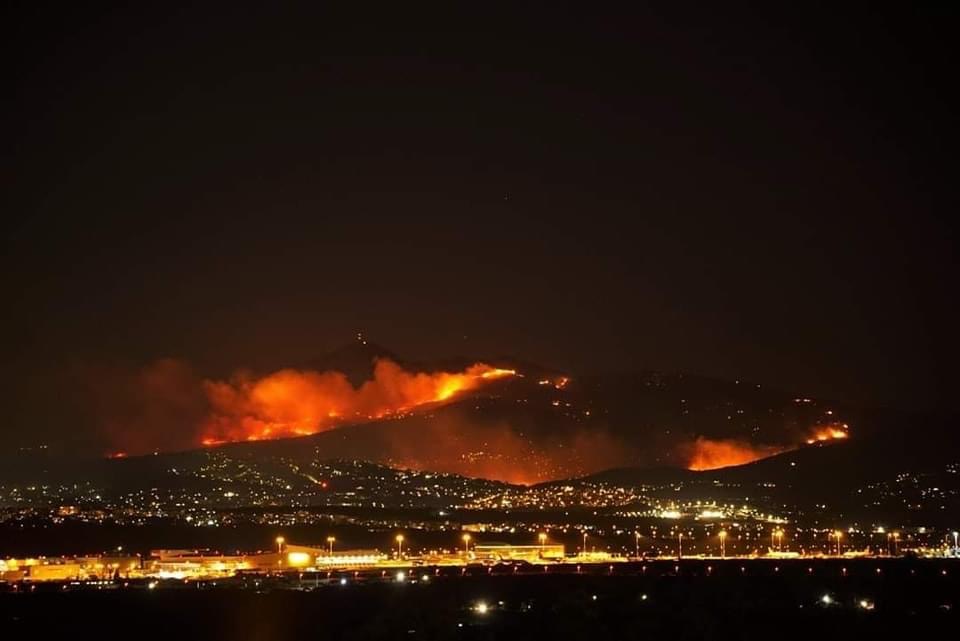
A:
x,y
497,552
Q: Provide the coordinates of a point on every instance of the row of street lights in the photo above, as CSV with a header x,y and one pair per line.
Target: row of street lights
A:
x,y
280,541
776,542
541,538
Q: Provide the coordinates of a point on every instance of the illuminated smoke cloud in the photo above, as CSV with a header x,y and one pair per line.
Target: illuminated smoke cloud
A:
x,y
708,454
456,443
166,406
296,403
156,407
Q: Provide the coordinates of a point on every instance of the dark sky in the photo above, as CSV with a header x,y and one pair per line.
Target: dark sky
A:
x,y
735,193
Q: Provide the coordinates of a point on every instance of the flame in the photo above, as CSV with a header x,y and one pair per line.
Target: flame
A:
x,y
297,403
710,454
707,454
829,433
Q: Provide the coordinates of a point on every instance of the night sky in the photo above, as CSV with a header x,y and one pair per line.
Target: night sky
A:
x,y
734,193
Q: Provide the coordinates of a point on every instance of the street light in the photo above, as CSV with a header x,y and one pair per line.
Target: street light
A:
x,y
330,541
637,539
466,544
542,537
679,545
584,542
896,540
399,540
280,540
779,539
723,539
955,534
839,535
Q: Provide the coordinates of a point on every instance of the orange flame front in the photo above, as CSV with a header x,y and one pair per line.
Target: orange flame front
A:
x,y
297,403
707,454
828,433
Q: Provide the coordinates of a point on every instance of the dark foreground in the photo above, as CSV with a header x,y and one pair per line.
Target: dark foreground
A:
x,y
906,599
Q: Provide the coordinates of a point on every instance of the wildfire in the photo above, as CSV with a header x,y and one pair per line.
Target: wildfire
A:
x,y
707,454
829,433
713,454
297,403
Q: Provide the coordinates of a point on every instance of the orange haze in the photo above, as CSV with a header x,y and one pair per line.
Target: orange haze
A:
x,y
707,454
296,403
710,454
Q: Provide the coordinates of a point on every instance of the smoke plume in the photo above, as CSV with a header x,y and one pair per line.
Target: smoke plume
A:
x,y
296,403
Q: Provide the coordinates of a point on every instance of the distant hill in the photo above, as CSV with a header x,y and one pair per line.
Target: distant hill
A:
x,y
542,425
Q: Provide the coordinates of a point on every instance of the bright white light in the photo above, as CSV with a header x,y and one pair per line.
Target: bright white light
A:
x,y
827,599
151,585
175,574
401,577
482,607
343,580
425,578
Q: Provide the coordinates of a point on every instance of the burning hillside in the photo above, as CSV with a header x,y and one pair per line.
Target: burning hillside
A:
x,y
481,420
707,454
167,406
297,403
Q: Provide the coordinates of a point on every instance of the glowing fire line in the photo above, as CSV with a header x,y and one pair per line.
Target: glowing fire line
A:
x,y
708,454
299,403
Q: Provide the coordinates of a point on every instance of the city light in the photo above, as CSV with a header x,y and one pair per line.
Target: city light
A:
x,y
442,300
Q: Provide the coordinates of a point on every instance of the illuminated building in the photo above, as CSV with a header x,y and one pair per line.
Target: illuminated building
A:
x,y
532,553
